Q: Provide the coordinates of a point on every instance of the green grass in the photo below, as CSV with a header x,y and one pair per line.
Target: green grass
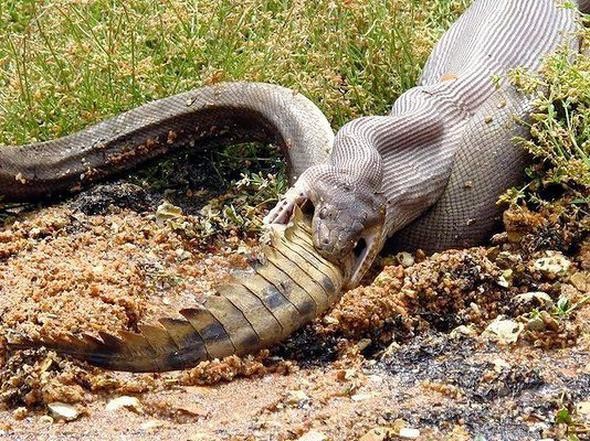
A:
x,y
65,64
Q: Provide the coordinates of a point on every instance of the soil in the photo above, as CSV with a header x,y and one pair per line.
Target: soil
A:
x,y
449,344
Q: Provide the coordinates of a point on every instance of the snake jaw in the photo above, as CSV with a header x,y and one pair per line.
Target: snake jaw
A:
x,y
365,251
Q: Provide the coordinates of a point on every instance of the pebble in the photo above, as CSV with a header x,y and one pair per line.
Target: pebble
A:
x,y
297,397
63,411
313,436
581,281
408,433
583,410
405,259
505,279
166,211
124,401
540,296
536,324
20,413
363,396
463,330
503,330
328,320
46,419
554,263
151,425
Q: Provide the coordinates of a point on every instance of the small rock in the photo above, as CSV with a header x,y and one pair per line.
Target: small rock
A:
x,y
535,298
500,364
46,419
554,263
63,411
408,433
363,343
536,324
505,280
581,281
405,259
583,410
329,320
124,401
503,331
391,350
363,396
152,424
20,413
550,322
297,398
468,331
350,374
167,211
313,436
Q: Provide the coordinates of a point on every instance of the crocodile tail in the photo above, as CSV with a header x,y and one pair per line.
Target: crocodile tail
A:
x,y
284,288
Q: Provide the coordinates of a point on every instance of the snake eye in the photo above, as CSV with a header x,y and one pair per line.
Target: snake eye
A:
x,y
323,213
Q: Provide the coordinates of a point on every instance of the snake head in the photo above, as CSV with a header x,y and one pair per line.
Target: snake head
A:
x,y
347,227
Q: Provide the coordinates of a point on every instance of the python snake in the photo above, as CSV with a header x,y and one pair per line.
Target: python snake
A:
x,y
428,174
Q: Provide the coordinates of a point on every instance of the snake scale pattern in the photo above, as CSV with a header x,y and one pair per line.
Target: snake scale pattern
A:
x,y
427,175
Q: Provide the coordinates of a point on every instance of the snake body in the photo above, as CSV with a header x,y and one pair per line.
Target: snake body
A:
x,y
428,175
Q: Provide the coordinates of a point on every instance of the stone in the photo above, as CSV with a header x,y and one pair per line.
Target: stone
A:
x,y
297,397
63,411
152,424
313,436
192,408
46,419
583,410
124,401
538,297
463,330
503,331
20,413
505,279
536,324
362,396
167,211
405,259
409,433
554,263
581,281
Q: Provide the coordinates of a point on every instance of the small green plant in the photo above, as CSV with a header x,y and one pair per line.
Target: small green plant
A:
x,y
563,416
559,128
573,427
565,306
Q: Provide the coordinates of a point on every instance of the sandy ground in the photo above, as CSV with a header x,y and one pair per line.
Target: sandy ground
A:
x,y
420,347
